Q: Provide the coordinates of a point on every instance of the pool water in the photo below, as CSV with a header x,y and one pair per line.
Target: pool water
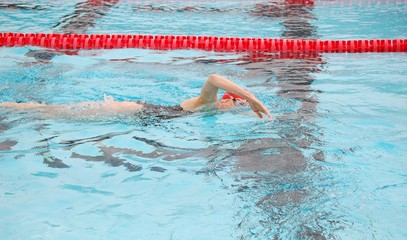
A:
x,y
331,164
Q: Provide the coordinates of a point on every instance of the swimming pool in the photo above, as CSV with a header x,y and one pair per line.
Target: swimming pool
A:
x,y
331,165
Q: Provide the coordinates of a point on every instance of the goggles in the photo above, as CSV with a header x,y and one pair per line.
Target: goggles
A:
x,y
238,100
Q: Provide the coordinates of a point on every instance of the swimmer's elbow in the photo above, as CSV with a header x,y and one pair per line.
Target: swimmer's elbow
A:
x,y
213,77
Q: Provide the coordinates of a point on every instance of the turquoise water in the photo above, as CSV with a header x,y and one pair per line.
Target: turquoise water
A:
x,y
330,165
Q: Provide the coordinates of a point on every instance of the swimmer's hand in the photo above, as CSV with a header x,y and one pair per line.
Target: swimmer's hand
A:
x,y
258,107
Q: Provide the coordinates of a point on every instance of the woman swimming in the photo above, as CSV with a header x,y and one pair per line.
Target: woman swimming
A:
x,y
208,99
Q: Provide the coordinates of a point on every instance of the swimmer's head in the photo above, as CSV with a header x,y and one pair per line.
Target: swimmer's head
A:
x,y
229,100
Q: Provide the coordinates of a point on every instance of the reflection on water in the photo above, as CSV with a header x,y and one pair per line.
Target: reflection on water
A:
x,y
79,21
176,8
270,167
286,185
295,16
20,6
84,16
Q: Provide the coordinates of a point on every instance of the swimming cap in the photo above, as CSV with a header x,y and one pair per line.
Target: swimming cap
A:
x,y
229,95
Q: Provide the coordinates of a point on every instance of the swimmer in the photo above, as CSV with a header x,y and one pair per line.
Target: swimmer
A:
x,y
208,99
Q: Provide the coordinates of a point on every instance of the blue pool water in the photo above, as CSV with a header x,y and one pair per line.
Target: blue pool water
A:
x,y
330,165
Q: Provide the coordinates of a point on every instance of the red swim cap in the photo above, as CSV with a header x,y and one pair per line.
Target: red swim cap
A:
x,y
229,95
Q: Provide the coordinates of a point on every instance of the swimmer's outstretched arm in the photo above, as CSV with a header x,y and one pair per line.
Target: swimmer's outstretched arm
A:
x,y
101,108
209,94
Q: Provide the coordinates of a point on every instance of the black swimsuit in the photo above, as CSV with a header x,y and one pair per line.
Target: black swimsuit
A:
x,y
163,112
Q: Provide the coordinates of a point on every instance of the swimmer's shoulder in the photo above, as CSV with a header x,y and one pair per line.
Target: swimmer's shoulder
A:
x,y
196,104
191,104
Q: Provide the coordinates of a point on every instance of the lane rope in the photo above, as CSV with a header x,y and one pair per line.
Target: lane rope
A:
x,y
210,43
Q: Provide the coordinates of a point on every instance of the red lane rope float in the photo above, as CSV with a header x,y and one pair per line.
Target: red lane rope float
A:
x,y
210,43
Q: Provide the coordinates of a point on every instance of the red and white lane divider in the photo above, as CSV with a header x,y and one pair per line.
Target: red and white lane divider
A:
x,y
209,43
